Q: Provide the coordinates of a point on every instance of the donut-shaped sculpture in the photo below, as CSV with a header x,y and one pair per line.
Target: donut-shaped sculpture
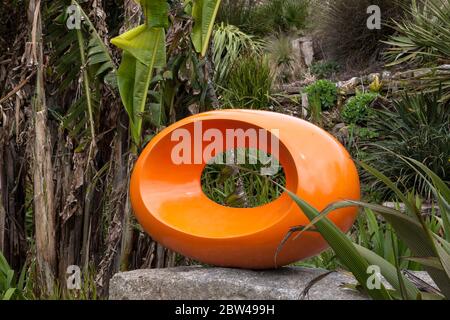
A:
x,y
169,203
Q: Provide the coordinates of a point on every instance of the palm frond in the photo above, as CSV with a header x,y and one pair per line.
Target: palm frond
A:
x,y
82,62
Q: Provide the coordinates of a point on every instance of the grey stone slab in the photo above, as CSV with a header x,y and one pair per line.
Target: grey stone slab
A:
x,y
202,283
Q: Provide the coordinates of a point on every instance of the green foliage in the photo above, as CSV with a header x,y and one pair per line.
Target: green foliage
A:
x,y
279,15
415,127
343,28
427,247
240,186
144,50
88,290
181,83
374,234
324,91
363,133
345,250
204,13
236,13
79,52
325,69
424,37
357,108
230,43
10,287
284,65
294,14
183,86
249,84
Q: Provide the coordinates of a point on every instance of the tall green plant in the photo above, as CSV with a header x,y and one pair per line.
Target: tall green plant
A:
x,y
284,61
278,16
424,37
10,287
249,84
143,50
374,234
204,13
230,43
322,95
428,248
344,33
79,53
414,126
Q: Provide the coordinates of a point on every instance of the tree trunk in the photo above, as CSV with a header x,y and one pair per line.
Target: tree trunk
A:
x,y
2,225
44,212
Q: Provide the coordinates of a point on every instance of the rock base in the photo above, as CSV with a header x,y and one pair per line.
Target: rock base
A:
x,y
202,283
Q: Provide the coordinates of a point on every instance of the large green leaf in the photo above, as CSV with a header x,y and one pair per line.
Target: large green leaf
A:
x,y
414,236
144,50
409,230
441,191
422,242
155,12
145,44
9,294
342,246
383,178
389,272
204,13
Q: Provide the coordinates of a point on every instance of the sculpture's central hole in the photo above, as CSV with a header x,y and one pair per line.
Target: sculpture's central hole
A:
x,y
243,178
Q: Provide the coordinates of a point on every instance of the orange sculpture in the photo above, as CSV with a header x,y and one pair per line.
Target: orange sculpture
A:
x,y
169,203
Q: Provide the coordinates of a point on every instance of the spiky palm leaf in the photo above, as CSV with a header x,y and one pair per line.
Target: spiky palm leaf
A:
x,y
82,61
229,44
424,37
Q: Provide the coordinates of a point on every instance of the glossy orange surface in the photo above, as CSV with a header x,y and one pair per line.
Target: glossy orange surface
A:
x,y
169,203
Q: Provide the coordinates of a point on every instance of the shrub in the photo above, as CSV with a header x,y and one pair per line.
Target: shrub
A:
x,y
236,12
249,83
343,28
420,240
229,44
324,69
416,127
357,108
10,287
424,35
278,16
372,233
324,91
283,61
425,38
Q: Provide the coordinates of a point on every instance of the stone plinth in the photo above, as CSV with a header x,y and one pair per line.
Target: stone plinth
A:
x,y
202,283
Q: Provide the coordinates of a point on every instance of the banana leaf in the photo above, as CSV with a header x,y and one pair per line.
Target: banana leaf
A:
x,y
143,50
204,13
